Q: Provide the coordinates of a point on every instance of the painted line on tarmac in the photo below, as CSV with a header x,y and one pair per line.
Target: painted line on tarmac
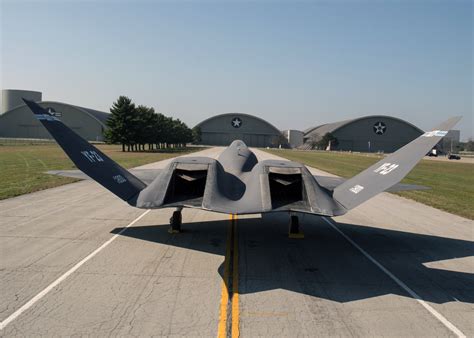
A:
x,y
412,293
222,327
235,283
45,291
230,290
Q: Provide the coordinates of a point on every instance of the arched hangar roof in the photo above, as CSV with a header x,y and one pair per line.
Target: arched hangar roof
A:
x,y
100,116
333,127
254,131
232,115
19,122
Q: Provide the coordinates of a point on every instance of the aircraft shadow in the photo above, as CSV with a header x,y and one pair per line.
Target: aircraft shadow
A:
x,y
324,264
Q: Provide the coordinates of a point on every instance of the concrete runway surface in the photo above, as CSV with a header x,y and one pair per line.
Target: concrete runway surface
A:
x,y
391,267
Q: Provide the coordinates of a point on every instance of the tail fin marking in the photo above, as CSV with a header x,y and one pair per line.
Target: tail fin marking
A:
x,y
90,160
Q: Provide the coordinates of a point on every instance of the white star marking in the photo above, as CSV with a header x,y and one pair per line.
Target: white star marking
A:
x,y
379,128
236,122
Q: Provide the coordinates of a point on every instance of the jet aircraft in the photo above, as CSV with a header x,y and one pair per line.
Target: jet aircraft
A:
x,y
236,182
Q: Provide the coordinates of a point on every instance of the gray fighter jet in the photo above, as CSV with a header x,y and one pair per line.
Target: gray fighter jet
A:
x,y
236,182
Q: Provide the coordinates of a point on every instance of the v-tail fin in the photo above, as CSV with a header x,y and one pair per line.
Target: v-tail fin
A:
x,y
391,169
88,158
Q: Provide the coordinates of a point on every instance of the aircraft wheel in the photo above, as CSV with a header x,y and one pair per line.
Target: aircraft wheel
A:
x,y
294,228
175,222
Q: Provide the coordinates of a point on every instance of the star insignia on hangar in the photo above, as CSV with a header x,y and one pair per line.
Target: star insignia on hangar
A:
x,y
380,128
236,122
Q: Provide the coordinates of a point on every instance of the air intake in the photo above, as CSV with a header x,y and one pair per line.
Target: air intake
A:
x,y
187,185
286,188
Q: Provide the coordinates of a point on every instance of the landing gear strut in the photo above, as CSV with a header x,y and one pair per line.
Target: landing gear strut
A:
x,y
294,227
175,222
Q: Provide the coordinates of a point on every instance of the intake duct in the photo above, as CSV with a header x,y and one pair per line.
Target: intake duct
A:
x,y
187,184
286,188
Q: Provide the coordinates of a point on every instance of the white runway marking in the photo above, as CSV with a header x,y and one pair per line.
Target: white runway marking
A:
x,y
40,295
412,293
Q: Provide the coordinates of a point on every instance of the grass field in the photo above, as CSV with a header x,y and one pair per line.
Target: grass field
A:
x,y
451,183
22,166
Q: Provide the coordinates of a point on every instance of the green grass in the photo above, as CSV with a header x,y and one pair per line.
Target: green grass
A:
x,y
451,183
22,166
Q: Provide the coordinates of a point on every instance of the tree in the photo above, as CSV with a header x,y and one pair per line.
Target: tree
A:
x,y
179,134
469,145
137,126
326,139
160,129
146,123
120,121
169,126
314,141
196,131
185,133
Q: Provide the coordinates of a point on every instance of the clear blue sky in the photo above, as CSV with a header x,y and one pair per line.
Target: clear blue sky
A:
x,y
294,64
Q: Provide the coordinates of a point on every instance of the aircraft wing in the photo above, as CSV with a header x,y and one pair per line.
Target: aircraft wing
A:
x,y
236,182
144,175
390,170
331,183
77,174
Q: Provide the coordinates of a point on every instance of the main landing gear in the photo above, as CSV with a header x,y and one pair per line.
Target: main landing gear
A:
x,y
294,227
175,222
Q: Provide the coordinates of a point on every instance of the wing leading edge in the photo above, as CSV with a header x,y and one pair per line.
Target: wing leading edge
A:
x,y
145,175
332,183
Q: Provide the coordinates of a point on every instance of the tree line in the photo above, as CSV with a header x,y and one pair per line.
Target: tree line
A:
x,y
138,127
318,142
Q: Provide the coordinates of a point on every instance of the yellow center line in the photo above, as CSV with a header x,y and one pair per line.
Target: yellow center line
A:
x,y
232,252
222,327
235,284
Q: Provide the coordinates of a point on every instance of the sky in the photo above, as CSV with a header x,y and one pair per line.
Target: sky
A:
x,y
295,64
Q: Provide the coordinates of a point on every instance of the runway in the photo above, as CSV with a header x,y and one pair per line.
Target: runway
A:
x,y
110,269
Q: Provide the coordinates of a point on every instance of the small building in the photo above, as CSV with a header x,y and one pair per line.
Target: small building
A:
x,y
221,130
450,142
453,135
377,133
17,120
294,137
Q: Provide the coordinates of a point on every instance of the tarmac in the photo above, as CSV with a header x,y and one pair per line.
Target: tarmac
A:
x,y
76,260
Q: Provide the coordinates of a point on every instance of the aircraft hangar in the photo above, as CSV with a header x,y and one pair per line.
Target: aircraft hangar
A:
x,y
221,130
366,134
16,120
